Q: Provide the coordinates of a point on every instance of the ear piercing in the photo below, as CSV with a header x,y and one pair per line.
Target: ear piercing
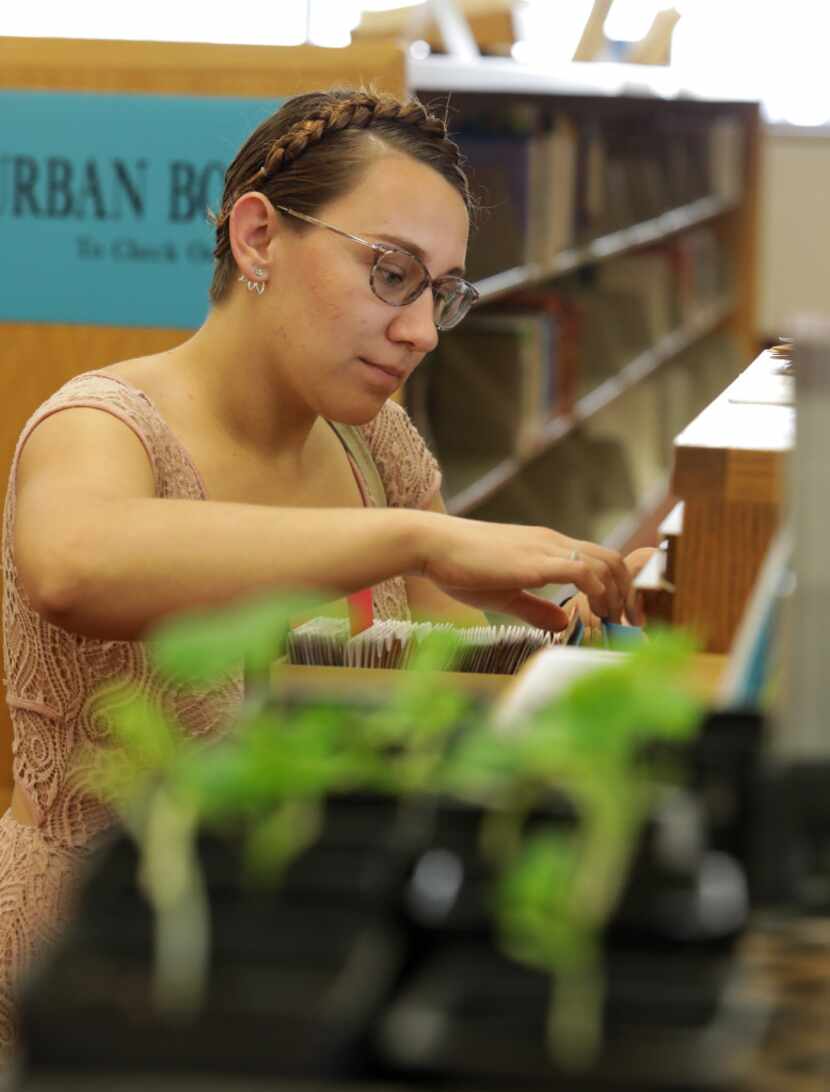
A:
x,y
254,286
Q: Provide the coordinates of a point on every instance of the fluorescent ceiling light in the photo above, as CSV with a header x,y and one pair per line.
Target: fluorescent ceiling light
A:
x,y
389,5
289,23
158,20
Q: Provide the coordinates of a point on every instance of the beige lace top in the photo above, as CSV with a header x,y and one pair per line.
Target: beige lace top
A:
x,y
52,675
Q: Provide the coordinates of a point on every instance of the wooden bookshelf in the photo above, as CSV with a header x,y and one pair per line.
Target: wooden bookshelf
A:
x,y
616,98
467,499
500,285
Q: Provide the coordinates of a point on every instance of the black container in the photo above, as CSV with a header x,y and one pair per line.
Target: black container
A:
x,y
376,960
465,1014
296,972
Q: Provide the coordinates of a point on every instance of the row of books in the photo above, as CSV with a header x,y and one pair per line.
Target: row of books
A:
x,y
612,464
491,387
546,183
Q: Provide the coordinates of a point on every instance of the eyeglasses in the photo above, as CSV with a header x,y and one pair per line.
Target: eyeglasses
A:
x,y
399,278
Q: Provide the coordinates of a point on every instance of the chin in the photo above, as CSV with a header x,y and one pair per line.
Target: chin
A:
x,y
360,416
357,411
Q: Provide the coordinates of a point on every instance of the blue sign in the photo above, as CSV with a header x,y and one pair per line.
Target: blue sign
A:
x,y
103,202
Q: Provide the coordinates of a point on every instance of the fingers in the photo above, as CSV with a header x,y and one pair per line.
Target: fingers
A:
x,y
591,625
635,614
610,568
634,606
593,578
638,559
537,611
510,559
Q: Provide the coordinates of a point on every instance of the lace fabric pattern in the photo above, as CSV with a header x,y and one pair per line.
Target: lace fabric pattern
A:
x,y
52,677
411,478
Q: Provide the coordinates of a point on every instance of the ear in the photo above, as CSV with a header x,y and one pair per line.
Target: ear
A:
x,y
252,226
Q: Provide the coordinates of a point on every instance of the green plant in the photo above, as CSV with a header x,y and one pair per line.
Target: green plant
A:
x,y
269,778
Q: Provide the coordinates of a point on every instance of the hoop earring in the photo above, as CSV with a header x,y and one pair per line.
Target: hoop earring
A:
x,y
253,286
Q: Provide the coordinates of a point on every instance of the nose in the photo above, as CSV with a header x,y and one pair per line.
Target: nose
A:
x,y
415,325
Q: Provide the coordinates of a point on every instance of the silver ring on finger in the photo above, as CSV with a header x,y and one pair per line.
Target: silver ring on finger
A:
x,y
573,555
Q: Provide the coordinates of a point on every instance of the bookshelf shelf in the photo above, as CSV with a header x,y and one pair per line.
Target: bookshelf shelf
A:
x,y
500,285
618,205
485,486
503,76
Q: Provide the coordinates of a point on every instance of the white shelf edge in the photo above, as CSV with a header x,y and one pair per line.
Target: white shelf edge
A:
x,y
605,247
502,75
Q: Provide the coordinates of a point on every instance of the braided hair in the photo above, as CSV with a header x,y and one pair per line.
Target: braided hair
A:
x,y
316,147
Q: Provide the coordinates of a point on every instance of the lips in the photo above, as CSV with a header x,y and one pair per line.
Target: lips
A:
x,y
394,373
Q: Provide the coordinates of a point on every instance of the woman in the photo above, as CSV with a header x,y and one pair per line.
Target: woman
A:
x,y
262,453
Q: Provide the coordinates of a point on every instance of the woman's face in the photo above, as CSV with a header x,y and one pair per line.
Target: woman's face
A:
x,y
342,349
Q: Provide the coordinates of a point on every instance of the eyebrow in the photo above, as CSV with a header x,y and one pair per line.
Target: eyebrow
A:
x,y
413,248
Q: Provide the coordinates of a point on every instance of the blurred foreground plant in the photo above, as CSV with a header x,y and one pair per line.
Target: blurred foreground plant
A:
x,y
269,778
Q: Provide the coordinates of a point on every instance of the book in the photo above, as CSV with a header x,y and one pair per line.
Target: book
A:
x,y
522,170
550,491
559,187
600,318
590,213
726,158
503,156
490,386
563,362
647,275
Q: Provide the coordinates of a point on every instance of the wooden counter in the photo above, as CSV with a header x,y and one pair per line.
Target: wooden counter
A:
x,y
295,681
729,475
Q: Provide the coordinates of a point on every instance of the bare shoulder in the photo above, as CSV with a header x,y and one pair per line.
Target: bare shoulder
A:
x,y
80,444
82,449
147,373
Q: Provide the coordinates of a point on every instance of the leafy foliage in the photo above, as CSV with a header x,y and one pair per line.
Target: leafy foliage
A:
x,y
557,885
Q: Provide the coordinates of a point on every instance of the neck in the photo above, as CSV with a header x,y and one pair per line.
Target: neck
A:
x,y
247,391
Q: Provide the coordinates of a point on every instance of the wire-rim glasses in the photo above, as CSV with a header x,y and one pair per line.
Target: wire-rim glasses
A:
x,y
398,277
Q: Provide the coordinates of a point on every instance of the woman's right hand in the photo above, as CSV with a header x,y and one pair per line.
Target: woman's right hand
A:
x,y
633,616
496,566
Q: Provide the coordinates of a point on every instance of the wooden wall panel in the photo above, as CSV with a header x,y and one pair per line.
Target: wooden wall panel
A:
x,y
175,68
35,359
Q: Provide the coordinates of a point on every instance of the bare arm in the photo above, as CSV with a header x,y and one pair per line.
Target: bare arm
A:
x,y
100,555
428,603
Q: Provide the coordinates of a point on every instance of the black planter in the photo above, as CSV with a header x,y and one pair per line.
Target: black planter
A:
x,y
375,960
296,972
463,1014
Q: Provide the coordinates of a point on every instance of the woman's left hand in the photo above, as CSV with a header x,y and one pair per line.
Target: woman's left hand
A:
x,y
633,615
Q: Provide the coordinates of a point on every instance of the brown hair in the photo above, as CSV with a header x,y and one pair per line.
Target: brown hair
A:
x,y
315,148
